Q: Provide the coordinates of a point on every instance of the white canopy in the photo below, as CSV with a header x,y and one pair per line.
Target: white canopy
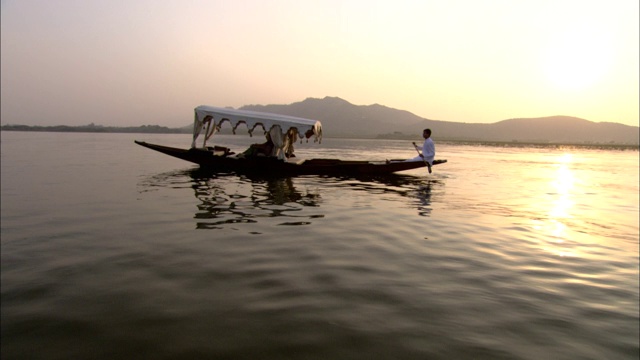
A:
x,y
284,130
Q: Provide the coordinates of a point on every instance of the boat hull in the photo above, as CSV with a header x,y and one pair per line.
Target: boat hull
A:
x,y
269,165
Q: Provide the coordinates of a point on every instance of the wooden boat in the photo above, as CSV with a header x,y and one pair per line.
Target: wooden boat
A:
x,y
284,131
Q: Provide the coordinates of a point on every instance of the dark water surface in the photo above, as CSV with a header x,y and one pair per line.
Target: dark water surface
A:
x,y
110,250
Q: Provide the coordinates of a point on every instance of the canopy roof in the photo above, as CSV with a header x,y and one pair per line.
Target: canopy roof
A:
x,y
216,116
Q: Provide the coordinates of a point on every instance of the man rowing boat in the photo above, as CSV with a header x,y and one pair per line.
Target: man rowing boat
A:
x,y
428,149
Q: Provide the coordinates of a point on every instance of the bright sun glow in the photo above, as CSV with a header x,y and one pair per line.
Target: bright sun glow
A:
x,y
560,211
577,59
563,184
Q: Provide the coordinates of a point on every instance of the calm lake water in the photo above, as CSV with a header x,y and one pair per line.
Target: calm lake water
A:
x,y
111,250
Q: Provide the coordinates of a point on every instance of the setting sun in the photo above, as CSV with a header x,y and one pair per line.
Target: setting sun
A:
x,y
577,59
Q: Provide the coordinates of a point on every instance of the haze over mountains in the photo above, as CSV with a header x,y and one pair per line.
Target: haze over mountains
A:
x,y
342,119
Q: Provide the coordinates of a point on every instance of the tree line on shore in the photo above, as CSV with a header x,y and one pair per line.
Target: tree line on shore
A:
x,y
145,129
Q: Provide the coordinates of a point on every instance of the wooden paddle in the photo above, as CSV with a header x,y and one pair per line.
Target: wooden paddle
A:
x,y
423,159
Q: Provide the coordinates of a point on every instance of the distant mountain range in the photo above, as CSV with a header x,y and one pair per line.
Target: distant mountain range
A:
x,y
342,119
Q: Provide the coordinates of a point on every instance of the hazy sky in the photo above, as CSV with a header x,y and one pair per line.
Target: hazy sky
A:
x,y
135,62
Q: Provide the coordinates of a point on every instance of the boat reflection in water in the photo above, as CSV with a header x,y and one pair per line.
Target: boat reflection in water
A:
x,y
229,200
423,194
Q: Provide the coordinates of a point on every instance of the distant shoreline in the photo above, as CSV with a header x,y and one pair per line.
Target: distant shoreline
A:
x,y
603,146
156,129
144,129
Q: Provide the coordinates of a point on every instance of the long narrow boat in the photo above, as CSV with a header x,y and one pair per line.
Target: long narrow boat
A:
x,y
284,131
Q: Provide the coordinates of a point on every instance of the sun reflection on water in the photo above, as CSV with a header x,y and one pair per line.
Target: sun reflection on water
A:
x,y
563,183
561,209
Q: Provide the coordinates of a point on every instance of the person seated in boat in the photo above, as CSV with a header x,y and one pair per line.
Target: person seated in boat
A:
x,y
264,149
289,150
221,150
428,149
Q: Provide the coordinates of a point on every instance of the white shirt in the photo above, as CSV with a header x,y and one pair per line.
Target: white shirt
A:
x,y
429,150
